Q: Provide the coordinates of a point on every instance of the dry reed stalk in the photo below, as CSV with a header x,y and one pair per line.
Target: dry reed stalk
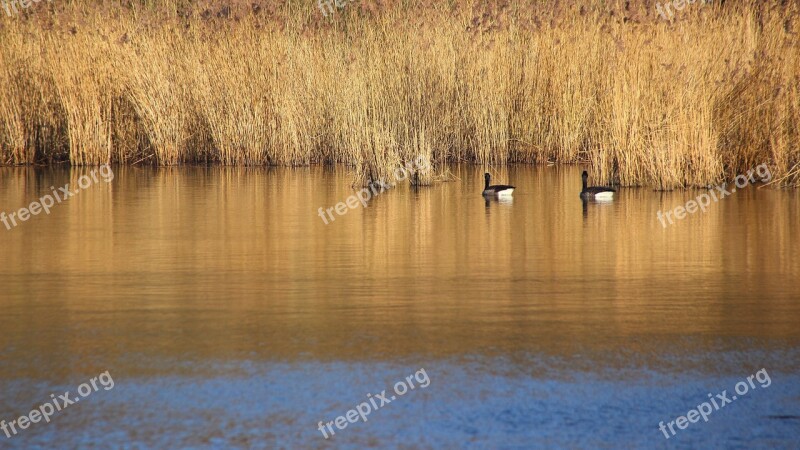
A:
x,y
81,71
13,133
238,115
18,108
157,89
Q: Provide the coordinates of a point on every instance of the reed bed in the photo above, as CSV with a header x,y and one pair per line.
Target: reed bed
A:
x,y
643,101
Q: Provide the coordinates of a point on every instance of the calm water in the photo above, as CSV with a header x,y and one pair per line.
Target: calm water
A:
x,y
230,316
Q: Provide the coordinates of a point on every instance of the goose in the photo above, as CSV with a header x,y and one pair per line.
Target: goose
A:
x,y
500,190
596,192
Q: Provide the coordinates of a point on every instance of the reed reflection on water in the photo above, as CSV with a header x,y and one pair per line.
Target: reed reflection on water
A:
x,y
174,278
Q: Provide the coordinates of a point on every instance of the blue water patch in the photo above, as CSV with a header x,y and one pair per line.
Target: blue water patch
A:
x,y
481,402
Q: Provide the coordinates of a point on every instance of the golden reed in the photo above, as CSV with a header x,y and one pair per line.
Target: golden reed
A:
x,y
375,84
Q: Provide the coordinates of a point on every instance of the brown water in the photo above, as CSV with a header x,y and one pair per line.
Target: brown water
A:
x,y
191,272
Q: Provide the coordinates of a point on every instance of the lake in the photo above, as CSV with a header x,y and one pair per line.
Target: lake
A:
x,y
230,315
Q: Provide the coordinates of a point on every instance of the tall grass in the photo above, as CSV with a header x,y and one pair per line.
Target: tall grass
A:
x,y
644,101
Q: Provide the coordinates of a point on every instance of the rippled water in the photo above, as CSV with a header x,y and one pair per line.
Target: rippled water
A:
x,y
230,315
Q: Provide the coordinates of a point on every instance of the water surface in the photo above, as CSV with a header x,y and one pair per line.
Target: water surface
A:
x,y
230,315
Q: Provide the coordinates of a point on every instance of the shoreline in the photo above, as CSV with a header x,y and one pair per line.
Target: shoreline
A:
x,y
443,173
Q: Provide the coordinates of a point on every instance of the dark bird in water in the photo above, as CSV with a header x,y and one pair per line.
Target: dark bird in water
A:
x,y
595,192
499,190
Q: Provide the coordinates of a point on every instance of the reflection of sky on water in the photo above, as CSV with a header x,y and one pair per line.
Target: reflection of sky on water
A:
x,y
471,402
